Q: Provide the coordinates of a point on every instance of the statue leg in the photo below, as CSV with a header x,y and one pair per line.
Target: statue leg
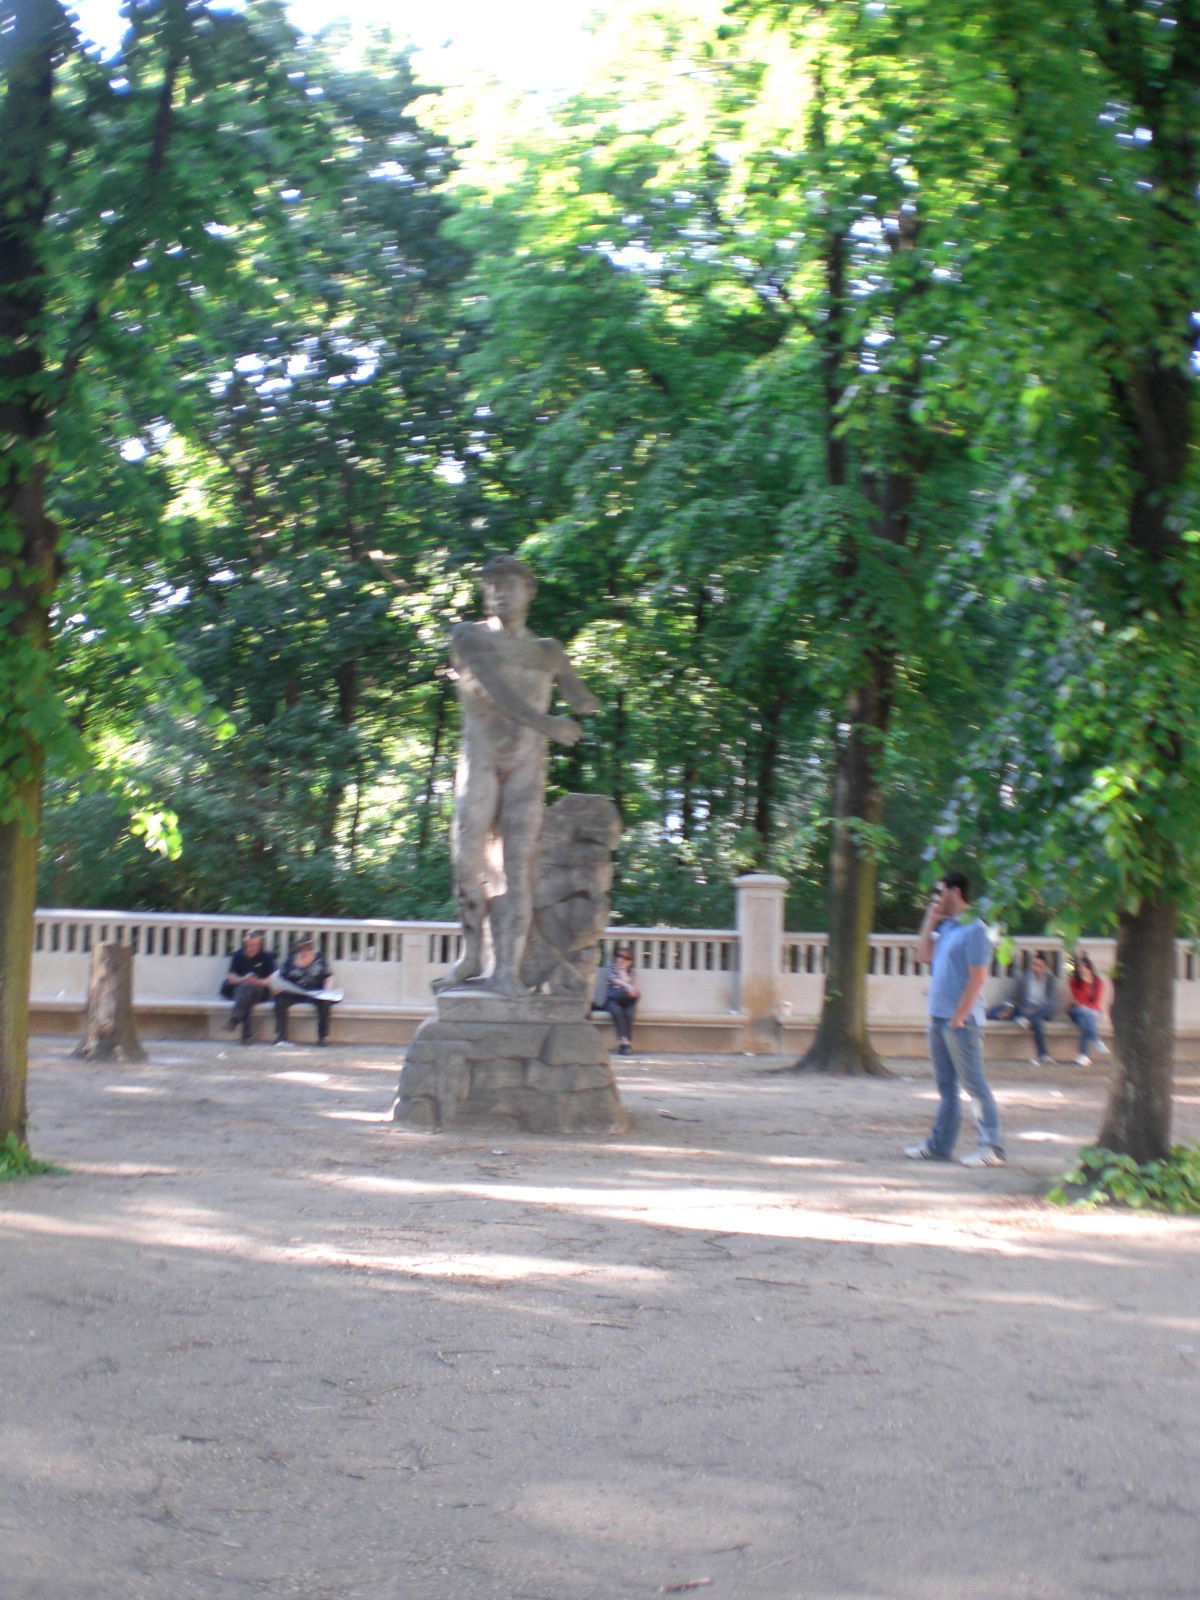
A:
x,y
520,830
474,814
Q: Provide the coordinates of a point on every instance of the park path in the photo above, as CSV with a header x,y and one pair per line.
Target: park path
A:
x,y
258,1342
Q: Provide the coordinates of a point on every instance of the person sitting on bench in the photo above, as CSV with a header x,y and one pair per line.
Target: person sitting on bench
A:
x,y
247,982
1033,1002
304,970
621,995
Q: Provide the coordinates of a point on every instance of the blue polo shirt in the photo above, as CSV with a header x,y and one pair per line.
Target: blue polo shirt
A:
x,y
957,945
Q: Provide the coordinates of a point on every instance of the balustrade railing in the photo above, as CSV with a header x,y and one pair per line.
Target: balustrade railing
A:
x,y
682,973
184,957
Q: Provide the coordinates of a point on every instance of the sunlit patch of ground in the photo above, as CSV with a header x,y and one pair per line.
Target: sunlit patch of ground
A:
x,y
259,1339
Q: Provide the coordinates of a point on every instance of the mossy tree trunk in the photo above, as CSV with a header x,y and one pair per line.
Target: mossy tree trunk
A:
x,y
842,1044
1137,1119
18,879
28,539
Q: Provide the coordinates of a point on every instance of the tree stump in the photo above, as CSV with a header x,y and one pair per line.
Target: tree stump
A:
x,y
108,1029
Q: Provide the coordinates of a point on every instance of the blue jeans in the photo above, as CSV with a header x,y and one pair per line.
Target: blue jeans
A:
x,y
958,1055
1036,1016
621,1011
1088,1023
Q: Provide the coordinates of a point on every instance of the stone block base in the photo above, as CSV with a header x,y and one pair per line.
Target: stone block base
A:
x,y
543,1076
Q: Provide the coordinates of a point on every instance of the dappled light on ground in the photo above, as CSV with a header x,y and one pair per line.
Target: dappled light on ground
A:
x,y
582,1368
190,1231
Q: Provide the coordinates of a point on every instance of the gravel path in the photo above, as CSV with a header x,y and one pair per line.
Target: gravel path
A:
x,y
258,1342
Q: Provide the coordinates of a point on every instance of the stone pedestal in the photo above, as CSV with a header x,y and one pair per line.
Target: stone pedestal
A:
x,y
534,1063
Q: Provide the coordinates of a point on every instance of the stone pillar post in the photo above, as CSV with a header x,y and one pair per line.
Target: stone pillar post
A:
x,y
760,958
414,969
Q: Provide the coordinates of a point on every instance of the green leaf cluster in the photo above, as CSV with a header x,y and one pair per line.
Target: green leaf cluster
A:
x,y
16,1161
1105,1177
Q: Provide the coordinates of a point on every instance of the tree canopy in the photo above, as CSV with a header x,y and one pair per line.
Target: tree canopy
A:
x,y
834,365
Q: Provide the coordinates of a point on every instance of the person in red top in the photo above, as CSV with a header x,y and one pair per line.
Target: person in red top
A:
x,y
1086,1009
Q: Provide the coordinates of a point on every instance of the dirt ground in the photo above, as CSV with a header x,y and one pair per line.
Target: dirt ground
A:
x,y
259,1342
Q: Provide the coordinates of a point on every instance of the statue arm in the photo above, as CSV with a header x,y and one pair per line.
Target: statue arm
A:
x,y
573,690
477,656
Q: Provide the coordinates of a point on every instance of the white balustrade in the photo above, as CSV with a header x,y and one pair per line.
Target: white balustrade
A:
x,y
182,957
692,973
681,972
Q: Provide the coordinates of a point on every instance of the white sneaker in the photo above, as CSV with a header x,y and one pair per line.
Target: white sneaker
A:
x,y
1083,1061
920,1152
1101,1048
987,1157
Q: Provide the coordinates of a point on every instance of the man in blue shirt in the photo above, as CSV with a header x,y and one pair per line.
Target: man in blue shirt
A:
x,y
957,947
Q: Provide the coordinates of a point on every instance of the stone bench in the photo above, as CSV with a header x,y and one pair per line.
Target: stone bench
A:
x,y
187,1017
203,1017
669,1034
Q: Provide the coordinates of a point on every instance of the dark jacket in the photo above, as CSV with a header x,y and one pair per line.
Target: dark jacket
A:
x,y
241,966
313,976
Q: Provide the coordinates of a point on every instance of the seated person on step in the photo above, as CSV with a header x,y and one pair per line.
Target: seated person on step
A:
x,y
1086,1010
247,982
303,971
1033,1001
620,995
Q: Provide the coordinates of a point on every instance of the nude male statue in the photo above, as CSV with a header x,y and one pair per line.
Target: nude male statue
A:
x,y
506,677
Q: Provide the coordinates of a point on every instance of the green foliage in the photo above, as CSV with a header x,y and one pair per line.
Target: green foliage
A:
x,y
1104,1177
247,678
646,417
1099,271
123,184
665,396
16,1161
770,363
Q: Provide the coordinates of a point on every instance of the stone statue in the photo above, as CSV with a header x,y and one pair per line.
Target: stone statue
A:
x,y
506,677
511,1043
571,880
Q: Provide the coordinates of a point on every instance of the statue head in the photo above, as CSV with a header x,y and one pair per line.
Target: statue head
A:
x,y
508,587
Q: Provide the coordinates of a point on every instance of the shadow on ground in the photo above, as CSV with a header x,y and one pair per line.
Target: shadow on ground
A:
x,y
259,1341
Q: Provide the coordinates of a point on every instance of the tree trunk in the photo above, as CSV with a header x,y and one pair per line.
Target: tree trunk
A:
x,y
28,539
1155,398
767,773
842,1044
18,881
1156,405
617,754
108,1027
435,754
346,681
687,803
26,652
1137,1119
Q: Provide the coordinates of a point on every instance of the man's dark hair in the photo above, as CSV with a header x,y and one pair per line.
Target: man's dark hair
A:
x,y
959,881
